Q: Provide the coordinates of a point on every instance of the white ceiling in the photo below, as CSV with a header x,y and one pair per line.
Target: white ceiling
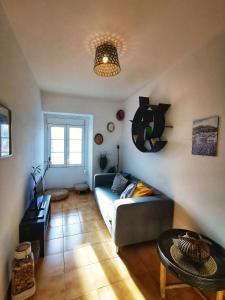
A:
x,y
53,35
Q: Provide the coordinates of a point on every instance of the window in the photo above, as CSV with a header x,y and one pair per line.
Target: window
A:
x,y
4,139
75,146
65,145
57,145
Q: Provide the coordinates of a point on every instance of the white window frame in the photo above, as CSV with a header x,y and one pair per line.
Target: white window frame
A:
x,y
82,145
49,144
66,144
1,140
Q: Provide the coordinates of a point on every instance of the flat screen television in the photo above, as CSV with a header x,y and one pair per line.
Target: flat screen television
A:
x,y
36,200
35,209
38,191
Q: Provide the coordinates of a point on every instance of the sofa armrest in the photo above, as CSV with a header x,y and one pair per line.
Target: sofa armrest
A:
x,y
105,179
141,219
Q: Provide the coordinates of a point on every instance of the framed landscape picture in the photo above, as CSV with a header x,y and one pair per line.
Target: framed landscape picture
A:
x,y
204,136
5,132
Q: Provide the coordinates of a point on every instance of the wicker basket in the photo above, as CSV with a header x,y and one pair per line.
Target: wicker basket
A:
x,y
23,282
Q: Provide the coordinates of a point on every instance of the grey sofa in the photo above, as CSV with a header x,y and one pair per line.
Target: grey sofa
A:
x,y
132,220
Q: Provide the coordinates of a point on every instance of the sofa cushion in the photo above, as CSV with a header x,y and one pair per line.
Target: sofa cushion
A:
x,y
126,175
127,193
119,184
105,199
142,190
105,193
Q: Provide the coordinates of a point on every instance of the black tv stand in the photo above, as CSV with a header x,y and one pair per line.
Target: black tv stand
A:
x,y
36,209
34,224
38,204
34,214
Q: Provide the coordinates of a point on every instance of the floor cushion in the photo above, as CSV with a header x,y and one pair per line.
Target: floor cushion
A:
x,y
81,187
57,194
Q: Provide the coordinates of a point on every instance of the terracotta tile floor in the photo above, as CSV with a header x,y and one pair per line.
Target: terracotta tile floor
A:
x,y
81,261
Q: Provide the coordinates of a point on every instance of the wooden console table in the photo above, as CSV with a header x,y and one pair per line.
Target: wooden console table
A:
x,y
215,282
32,229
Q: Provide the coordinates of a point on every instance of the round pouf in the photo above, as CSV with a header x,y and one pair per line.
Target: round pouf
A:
x,y
57,194
81,187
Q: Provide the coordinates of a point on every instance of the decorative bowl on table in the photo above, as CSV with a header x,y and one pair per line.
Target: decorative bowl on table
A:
x,y
194,247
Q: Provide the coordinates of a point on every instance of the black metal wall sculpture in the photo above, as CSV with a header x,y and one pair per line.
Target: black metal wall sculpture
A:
x,y
148,126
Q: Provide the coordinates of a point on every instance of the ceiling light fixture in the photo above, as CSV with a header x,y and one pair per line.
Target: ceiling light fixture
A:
x,y
106,62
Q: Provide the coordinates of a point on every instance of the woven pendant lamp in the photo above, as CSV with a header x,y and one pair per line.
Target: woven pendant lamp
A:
x,y
106,62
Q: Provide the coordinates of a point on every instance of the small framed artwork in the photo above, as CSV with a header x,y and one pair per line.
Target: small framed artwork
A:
x,y
120,115
205,136
98,139
110,127
5,132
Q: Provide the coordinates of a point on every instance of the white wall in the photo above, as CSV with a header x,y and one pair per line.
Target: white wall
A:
x,y
196,89
102,113
18,91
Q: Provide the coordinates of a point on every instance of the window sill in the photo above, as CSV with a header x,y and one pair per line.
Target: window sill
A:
x,y
66,166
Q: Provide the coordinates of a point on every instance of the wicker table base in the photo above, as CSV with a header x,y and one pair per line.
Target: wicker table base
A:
x,y
164,286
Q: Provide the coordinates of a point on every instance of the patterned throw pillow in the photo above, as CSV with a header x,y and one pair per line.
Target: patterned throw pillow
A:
x,y
142,190
119,184
127,193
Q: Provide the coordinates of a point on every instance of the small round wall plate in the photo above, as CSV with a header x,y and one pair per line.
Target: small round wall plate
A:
x,y
120,115
110,127
98,139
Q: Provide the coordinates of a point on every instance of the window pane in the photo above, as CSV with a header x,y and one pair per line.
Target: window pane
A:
x,y
75,146
57,158
5,130
75,159
57,145
75,133
4,146
57,133
4,154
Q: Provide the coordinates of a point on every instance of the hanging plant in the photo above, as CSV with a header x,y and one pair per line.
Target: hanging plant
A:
x,y
103,161
35,172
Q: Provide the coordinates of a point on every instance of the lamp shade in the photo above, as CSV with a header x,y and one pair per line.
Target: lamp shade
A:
x,y
106,60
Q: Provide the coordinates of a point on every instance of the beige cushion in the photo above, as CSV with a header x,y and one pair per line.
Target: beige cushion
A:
x,y
81,187
57,194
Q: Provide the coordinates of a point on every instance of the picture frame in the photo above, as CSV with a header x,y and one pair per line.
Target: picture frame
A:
x,y
5,132
110,127
98,139
205,136
120,115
